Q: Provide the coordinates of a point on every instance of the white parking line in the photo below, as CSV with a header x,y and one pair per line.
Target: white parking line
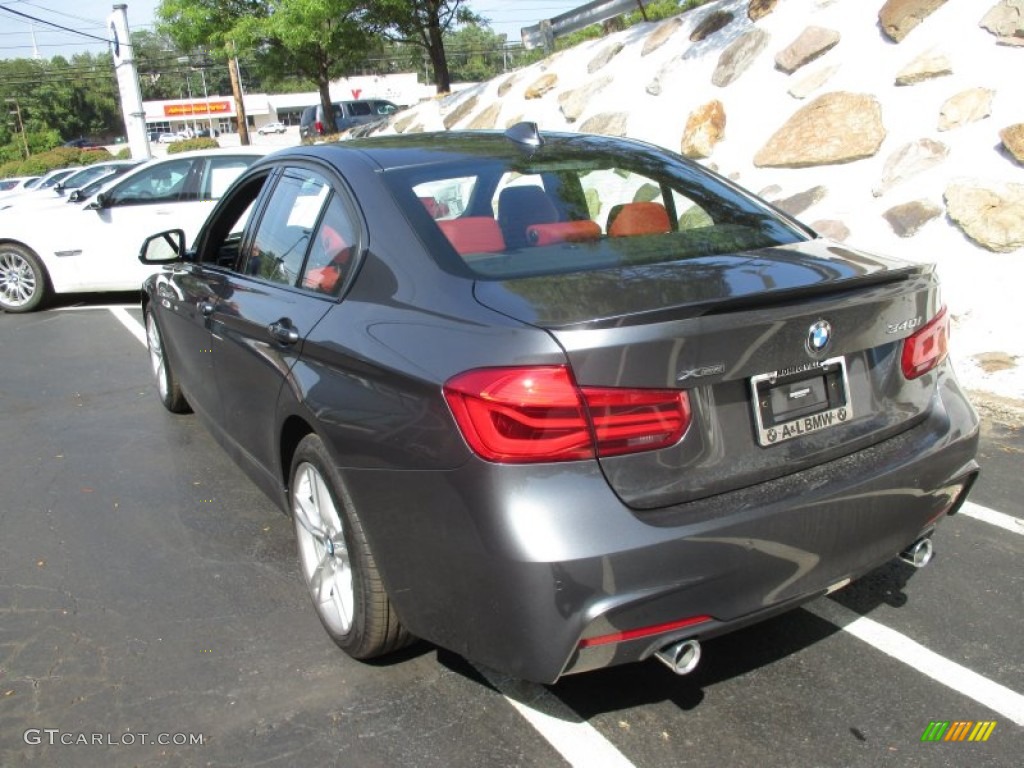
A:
x,y
990,516
134,327
92,307
996,697
574,738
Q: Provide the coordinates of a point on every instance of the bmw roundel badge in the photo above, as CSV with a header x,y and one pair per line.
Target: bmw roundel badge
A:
x,y
819,336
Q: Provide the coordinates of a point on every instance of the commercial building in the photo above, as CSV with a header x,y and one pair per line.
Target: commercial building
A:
x,y
218,112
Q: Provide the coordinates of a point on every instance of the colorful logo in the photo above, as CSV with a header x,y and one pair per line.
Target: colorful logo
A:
x,y
958,730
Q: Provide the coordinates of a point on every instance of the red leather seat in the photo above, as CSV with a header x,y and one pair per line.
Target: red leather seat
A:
x,y
473,234
563,231
638,219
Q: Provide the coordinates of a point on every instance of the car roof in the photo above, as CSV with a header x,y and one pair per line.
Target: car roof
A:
x,y
446,147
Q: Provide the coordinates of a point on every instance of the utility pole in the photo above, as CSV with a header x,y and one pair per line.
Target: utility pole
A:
x,y
236,90
128,83
21,125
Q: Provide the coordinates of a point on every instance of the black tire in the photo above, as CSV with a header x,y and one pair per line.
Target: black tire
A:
x,y
24,284
167,386
335,559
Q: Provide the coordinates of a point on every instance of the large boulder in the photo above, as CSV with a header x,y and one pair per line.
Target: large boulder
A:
x,y
607,53
705,127
758,9
930,64
661,35
710,24
796,204
461,111
487,118
837,127
506,84
833,229
607,123
1012,137
812,82
898,17
907,218
541,85
968,106
1005,19
574,102
989,213
812,43
737,58
910,160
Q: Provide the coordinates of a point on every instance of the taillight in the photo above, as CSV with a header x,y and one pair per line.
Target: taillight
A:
x,y
539,414
319,127
926,348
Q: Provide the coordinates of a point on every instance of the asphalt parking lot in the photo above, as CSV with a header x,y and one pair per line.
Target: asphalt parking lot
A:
x,y
152,613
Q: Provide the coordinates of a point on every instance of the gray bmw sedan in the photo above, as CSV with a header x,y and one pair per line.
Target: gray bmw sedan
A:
x,y
558,402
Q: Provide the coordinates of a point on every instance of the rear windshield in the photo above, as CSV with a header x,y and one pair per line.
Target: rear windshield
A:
x,y
570,211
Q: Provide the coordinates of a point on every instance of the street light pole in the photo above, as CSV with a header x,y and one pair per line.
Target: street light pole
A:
x,y
188,85
206,95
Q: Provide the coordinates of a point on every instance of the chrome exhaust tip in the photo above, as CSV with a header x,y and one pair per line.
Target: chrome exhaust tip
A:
x,y
681,656
920,553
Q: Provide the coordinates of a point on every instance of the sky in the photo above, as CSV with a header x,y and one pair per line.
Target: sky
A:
x,y
87,17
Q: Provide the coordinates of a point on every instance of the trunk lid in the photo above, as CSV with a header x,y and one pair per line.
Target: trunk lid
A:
x,y
735,331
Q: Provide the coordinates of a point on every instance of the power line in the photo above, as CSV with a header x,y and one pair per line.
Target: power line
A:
x,y
53,24
62,13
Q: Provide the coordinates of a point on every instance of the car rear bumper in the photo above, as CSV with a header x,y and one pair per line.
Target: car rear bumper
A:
x,y
514,566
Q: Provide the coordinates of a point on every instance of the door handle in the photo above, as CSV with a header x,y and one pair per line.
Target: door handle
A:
x,y
206,308
283,331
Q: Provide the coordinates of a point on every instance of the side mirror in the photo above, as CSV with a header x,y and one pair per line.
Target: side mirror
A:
x,y
75,196
163,248
102,200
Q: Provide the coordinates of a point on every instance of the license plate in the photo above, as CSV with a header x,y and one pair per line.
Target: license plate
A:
x,y
798,401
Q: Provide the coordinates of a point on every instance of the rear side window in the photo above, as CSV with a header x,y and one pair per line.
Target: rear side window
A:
x,y
359,108
220,172
573,210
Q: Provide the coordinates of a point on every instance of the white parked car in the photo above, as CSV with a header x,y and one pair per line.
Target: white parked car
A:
x,y
272,128
16,184
59,192
169,138
47,181
94,246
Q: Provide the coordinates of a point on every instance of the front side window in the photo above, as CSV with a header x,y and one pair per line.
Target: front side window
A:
x,y
163,183
306,236
286,227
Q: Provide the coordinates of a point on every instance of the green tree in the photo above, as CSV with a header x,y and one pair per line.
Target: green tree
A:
x,y
424,23
211,26
58,99
316,39
475,52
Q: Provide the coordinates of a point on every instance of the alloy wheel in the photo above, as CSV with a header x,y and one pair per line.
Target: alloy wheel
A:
x,y
323,553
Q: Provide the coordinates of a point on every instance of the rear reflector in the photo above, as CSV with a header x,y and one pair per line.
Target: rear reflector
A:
x,y
926,348
518,415
635,634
